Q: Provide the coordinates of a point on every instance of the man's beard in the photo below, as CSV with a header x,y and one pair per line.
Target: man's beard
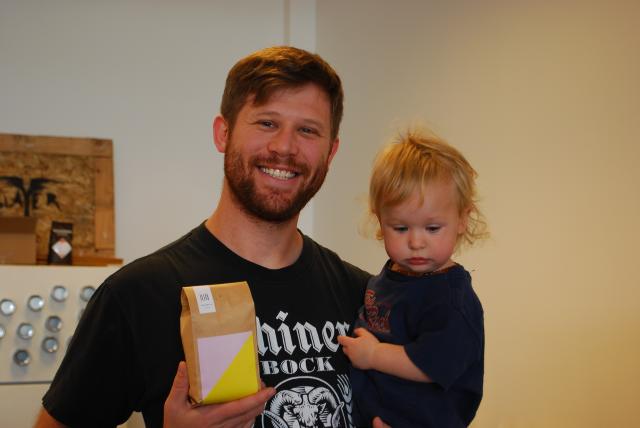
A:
x,y
271,206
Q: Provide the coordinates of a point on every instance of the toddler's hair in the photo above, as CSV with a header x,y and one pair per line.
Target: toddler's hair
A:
x,y
409,163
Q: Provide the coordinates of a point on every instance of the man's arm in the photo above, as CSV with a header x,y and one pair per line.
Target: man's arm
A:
x,y
366,352
45,420
178,411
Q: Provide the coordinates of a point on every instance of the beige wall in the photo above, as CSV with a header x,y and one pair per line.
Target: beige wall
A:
x,y
544,99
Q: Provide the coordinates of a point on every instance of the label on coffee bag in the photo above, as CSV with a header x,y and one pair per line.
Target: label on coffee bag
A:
x,y
204,299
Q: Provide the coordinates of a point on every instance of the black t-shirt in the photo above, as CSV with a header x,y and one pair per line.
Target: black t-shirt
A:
x,y
126,348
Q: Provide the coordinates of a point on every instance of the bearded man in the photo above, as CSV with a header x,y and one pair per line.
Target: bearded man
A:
x,y
278,130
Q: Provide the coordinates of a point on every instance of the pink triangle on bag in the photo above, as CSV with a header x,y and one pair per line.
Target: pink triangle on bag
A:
x,y
215,354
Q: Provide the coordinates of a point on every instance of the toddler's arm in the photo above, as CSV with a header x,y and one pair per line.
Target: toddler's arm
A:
x,y
366,352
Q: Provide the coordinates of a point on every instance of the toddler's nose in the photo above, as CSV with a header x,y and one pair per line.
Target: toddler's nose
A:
x,y
416,241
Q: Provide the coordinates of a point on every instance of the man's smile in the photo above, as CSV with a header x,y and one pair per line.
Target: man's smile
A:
x,y
280,174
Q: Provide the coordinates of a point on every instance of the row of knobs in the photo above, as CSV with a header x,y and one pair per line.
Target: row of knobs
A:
x,y
53,323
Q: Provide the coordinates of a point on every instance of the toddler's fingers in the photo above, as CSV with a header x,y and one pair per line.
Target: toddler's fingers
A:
x,y
359,332
343,340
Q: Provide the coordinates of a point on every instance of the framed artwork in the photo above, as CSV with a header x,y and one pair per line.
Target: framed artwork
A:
x,y
62,179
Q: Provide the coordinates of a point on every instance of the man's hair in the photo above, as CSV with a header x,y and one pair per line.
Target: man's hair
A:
x,y
412,161
276,68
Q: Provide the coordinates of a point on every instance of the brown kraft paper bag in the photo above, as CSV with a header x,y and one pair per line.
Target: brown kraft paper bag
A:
x,y
218,329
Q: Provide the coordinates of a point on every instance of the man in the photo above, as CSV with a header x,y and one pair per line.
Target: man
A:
x,y
278,130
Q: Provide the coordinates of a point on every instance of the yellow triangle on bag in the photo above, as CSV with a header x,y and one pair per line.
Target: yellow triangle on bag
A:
x,y
239,379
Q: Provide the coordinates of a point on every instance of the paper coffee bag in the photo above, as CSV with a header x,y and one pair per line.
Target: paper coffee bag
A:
x,y
218,329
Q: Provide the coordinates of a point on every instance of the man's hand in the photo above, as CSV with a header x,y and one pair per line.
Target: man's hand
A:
x,y
179,413
359,349
378,423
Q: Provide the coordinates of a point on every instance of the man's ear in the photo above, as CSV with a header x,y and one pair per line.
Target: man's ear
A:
x,y
333,150
220,133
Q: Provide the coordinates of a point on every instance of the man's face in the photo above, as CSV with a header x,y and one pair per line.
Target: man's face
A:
x,y
278,153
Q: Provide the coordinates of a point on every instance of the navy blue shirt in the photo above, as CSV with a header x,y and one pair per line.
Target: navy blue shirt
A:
x,y
438,319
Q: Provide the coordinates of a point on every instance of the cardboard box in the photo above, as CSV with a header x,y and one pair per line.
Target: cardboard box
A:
x,y
17,240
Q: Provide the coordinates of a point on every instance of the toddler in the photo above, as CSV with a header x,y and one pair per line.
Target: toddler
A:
x,y
418,345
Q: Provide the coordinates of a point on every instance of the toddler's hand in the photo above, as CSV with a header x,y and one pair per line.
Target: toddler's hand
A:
x,y
359,349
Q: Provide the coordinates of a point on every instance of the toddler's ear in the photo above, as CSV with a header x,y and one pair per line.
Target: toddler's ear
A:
x,y
464,221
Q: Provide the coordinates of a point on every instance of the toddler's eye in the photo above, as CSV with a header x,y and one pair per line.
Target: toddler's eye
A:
x,y
433,229
400,228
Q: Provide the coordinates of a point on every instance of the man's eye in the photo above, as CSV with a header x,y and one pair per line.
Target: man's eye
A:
x,y
310,131
266,123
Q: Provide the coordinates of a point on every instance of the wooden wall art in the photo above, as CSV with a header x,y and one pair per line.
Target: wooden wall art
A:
x,y
63,179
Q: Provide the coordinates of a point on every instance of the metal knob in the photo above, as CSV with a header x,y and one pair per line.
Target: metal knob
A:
x,y
22,358
50,344
7,307
35,303
59,293
53,323
25,331
86,292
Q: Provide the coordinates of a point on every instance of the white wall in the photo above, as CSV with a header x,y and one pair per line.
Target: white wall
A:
x,y
149,75
544,99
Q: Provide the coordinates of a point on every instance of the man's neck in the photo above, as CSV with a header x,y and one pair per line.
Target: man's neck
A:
x,y
267,244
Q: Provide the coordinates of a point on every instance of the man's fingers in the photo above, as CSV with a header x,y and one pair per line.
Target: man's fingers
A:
x,y
177,402
377,423
247,418
251,405
180,388
178,412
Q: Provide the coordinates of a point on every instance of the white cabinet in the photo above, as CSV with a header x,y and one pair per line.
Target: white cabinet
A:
x,y
50,320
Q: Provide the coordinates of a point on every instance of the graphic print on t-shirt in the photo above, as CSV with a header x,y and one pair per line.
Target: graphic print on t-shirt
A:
x,y
377,313
313,393
308,401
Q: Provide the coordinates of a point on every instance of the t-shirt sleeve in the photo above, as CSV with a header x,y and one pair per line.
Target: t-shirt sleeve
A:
x,y
359,279
97,382
446,349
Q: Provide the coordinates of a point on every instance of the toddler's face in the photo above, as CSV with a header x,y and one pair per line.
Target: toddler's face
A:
x,y
421,236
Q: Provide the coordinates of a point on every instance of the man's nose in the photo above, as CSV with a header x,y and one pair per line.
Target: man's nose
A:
x,y
284,142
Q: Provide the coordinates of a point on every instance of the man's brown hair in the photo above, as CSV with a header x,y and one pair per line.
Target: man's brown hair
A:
x,y
276,68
